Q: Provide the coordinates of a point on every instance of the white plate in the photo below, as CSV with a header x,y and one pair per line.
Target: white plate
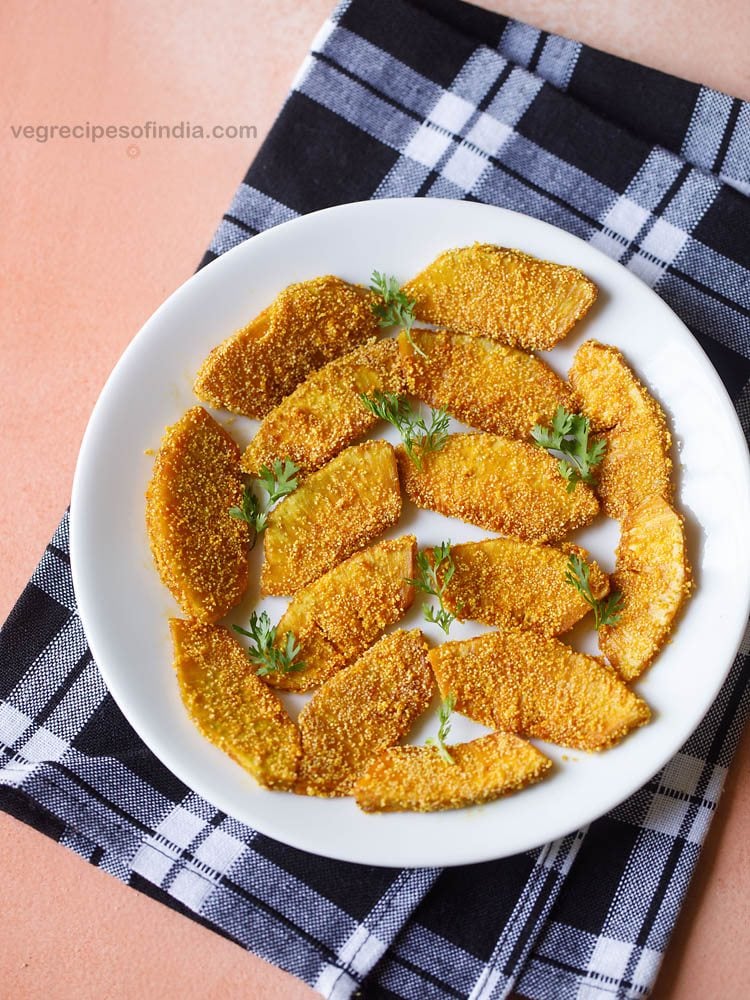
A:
x,y
125,608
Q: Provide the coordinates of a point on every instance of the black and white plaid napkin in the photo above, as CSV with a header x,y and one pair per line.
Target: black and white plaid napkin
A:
x,y
437,99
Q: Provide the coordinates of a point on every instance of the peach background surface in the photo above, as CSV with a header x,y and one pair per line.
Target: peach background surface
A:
x,y
95,237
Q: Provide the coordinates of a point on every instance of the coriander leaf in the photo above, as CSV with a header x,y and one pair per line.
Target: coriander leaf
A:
x,y
395,307
444,713
568,440
279,481
263,650
428,581
250,511
415,433
606,611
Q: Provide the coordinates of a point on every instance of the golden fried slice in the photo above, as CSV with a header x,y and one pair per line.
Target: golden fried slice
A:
x,y
636,464
325,414
416,779
361,711
231,706
335,512
504,581
486,385
503,485
307,325
199,550
506,295
653,575
338,616
521,682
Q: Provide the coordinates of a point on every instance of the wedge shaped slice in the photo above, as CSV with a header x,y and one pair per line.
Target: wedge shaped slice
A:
x,y
485,385
503,485
506,295
231,706
636,464
199,550
325,413
336,511
417,779
307,325
521,682
340,615
653,575
504,581
361,711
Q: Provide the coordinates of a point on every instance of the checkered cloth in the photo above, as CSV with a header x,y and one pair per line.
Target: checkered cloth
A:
x,y
437,99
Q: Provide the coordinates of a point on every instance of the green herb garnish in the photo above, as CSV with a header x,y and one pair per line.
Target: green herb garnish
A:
x,y
415,433
606,611
263,651
396,308
428,582
278,482
444,713
568,440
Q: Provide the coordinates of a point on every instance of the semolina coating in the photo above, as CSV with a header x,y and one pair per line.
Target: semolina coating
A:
x,y
418,780
521,682
506,582
486,385
307,325
507,295
325,414
653,575
341,614
503,485
335,512
361,711
199,550
231,706
637,463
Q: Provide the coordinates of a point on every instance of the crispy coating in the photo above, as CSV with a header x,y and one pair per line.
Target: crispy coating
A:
x,y
653,575
521,682
231,706
307,325
504,581
336,511
506,295
325,414
503,485
338,616
498,389
637,463
199,550
361,711
415,778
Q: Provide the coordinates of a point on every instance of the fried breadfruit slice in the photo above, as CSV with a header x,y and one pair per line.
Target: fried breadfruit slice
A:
x,y
498,389
506,295
339,616
504,581
361,711
417,779
336,511
325,413
636,463
231,706
521,682
503,485
199,550
307,325
653,575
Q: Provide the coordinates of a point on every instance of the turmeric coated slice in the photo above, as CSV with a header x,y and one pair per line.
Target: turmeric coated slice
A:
x,y
231,706
488,386
325,413
506,295
415,778
307,325
361,711
336,511
521,682
504,581
199,550
653,575
506,486
636,464
339,616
